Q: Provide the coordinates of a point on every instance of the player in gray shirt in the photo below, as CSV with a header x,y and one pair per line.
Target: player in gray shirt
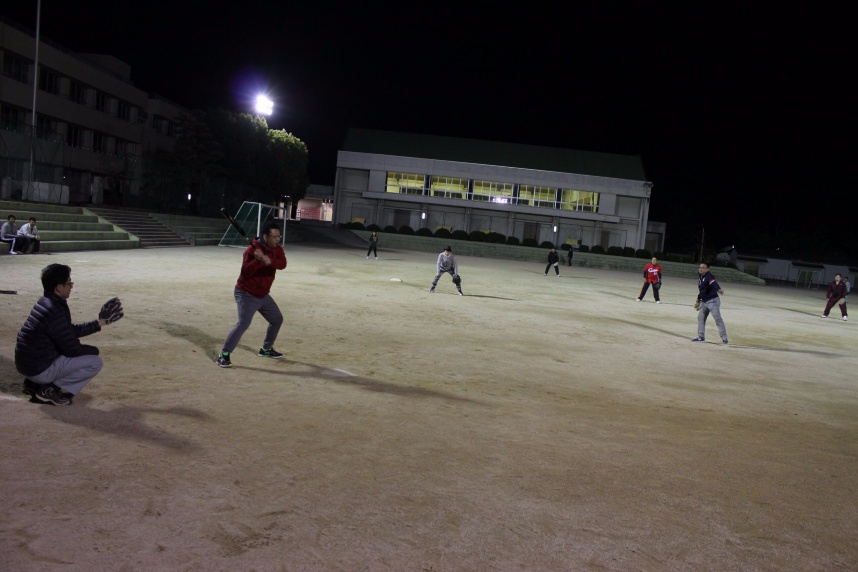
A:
x,y
447,264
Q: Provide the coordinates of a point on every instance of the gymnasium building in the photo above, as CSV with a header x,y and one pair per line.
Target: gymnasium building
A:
x,y
541,193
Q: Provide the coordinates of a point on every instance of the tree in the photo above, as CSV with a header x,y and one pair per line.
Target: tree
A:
x,y
199,155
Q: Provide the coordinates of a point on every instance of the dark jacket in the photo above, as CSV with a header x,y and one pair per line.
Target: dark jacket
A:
x,y
49,333
707,287
553,257
836,291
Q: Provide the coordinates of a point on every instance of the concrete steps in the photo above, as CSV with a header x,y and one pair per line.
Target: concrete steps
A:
x,y
151,232
66,229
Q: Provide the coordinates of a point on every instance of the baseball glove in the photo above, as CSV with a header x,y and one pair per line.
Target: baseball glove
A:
x,y
697,304
111,311
457,279
656,286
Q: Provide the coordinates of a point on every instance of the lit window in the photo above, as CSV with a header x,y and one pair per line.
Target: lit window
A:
x,y
449,187
491,191
537,196
405,183
584,201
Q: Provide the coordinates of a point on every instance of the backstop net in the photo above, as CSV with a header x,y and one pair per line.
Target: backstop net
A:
x,y
252,217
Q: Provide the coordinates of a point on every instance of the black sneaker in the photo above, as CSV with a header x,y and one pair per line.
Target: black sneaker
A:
x,y
51,393
724,339
223,360
269,353
698,339
30,387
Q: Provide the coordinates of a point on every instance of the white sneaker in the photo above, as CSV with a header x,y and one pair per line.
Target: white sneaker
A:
x,y
823,316
367,257
658,301
637,299
845,318
13,252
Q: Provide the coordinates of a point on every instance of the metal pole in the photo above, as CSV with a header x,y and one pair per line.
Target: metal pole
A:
x,y
30,192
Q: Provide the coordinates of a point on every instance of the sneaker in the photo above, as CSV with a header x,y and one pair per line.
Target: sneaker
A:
x,y
51,393
724,340
658,301
460,294
698,339
845,318
376,257
13,252
270,353
637,299
546,274
823,316
367,257
431,290
223,360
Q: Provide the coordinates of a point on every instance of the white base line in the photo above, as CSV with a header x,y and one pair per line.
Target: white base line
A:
x,y
348,373
10,398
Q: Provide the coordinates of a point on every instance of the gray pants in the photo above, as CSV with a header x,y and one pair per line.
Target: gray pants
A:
x,y
451,273
248,305
713,307
70,373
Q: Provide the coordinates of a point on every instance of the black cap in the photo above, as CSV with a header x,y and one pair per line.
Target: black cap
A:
x,y
448,247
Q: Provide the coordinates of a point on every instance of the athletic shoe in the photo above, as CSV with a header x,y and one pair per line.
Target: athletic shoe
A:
x,y
223,360
658,301
637,299
546,274
823,316
30,387
367,257
845,318
376,257
431,290
13,252
460,294
51,393
698,339
270,353
724,340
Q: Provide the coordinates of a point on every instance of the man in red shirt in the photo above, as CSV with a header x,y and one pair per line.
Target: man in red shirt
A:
x,y
836,294
652,275
261,261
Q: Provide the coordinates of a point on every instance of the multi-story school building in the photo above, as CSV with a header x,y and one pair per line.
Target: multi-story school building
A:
x,y
541,193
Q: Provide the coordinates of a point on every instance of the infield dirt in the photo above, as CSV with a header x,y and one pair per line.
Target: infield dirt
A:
x,y
535,423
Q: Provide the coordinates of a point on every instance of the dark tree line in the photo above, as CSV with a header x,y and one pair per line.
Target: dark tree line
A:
x,y
222,158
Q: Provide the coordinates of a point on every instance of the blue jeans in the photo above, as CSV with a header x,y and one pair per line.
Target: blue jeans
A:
x,y
248,305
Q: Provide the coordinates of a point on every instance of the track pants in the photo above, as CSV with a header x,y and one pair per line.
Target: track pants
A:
x,y
832,302
438,277
713,307
556,267
248,305
645,288
70,373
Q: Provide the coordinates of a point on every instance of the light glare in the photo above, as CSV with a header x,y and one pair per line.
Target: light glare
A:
x,y
264,105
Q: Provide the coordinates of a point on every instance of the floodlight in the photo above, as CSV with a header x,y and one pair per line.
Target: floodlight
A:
x,y
264,105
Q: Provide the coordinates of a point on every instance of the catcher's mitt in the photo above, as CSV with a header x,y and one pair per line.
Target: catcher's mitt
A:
x,y
697,304
656,286
111,311
457,279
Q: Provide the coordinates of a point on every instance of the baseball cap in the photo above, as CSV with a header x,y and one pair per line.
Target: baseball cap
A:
x,y
448,247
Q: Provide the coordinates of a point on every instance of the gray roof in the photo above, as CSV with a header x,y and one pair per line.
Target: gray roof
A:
x,y
495,153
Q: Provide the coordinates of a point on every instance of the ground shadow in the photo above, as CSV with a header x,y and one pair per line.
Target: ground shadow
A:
x,y
205,342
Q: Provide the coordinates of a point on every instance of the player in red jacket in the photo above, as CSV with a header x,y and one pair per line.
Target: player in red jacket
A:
x,y
836,294
260,262
652,275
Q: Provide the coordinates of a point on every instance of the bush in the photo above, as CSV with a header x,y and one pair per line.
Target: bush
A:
x,y
598,249
674,258
442,233
642,253
658,254
615,251
565,246
405,229
495,238
477,236
513,240
529,242
546,244
459,235
373,228
628,252
423,232
390,228
583,248
355,226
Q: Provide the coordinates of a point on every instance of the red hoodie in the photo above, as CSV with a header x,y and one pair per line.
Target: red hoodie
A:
x,y
256,277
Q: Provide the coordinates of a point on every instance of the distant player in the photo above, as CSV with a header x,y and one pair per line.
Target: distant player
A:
x,y
652,276
707,303
447,265
836,294
260,262
553,260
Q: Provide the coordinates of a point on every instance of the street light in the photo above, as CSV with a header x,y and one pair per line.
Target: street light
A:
x,y
264,105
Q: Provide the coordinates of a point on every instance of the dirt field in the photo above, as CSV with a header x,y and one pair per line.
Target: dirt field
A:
x,y
536,423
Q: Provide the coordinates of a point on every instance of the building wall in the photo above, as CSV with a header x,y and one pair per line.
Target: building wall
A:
x,y
360,193
92,123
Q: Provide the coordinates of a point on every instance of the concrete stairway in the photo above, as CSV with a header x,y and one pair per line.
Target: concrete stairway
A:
x,y
151,232
198,231
67,229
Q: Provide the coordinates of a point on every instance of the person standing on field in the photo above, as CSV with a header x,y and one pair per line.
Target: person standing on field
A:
x,y
836,294
652,276
373,245
707,303
260,262
447,265
553,260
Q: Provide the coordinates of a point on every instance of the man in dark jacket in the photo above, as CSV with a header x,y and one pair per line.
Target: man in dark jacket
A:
x,y
553,260
260,263
48,352
708,302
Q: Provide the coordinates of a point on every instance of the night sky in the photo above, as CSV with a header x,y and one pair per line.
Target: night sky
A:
x,y
744,117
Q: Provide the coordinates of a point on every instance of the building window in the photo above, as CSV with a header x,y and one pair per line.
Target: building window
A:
x,y
531,195
99,142
77,92
405,183
74,136
584,201
448,187
11,119
123,110
492,192
47,128
101,101
15,67
49,81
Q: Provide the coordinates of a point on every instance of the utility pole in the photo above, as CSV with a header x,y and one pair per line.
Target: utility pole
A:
x,y
702,239
31,193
